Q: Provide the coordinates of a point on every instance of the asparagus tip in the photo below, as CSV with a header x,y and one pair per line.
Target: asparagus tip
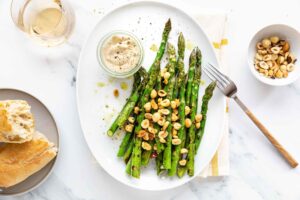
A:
x,y
168,25
181,45
193,55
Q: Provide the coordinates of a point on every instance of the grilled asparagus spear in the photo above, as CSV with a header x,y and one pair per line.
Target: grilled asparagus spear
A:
x,y
153,73
194,103
169,88
205,100
180,82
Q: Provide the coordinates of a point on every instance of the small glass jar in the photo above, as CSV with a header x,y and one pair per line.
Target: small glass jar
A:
x,y
102,62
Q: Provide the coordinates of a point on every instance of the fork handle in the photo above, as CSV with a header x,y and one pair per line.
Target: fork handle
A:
x,y
286,155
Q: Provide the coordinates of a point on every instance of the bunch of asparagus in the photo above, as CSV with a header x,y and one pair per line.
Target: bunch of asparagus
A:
x,y
160,117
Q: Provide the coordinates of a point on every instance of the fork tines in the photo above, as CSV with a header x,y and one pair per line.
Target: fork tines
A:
x,y
215,75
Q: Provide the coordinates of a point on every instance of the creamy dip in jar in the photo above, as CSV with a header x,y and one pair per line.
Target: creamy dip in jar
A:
x,y
120,54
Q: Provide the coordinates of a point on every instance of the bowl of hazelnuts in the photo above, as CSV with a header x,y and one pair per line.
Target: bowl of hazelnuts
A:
x,y
273,53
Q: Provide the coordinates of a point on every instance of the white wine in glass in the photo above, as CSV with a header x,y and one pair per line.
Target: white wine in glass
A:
x,y
49,22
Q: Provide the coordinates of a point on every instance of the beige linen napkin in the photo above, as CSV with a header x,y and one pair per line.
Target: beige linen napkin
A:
x,y
214,25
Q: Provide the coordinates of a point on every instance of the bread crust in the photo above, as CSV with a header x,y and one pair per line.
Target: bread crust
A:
x,y
19,161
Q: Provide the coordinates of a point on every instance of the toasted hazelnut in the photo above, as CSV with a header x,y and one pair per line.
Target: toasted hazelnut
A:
x,y
259,46
266,43
161,121
173,105
177,101
141,133
162,93
165,103
263,64
147,107
286,54
275,50
167,75
146,146
176,141
279,74
290,67
136,110
285,74
274,39
266,72
198,118
148,116
258,57
166,81
280,59
183,151
187,110
291,58
152,130
267,57
164,111
182,162
174,117
274,56
162,140
131,119
261,70
151,136
174,132
282,67
270,73
188,122
156,116
175,111
162,134
177,126
145,123
262,52
286,47
129,128
198,124
165,126
146,136
270,63
153,94
154,105
159,100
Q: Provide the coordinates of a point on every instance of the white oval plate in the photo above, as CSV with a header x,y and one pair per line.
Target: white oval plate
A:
x,y
98,107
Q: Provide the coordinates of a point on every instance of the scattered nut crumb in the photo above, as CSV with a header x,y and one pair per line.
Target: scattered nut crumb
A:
x,y
116,92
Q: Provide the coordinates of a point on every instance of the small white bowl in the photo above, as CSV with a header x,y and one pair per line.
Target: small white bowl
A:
x,y
283,32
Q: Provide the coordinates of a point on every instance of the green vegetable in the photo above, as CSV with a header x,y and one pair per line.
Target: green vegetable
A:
x,y
169,88
181,113
138,86
153,73
194,102
205,100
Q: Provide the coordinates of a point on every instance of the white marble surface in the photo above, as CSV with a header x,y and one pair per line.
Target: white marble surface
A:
x,y
257,172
